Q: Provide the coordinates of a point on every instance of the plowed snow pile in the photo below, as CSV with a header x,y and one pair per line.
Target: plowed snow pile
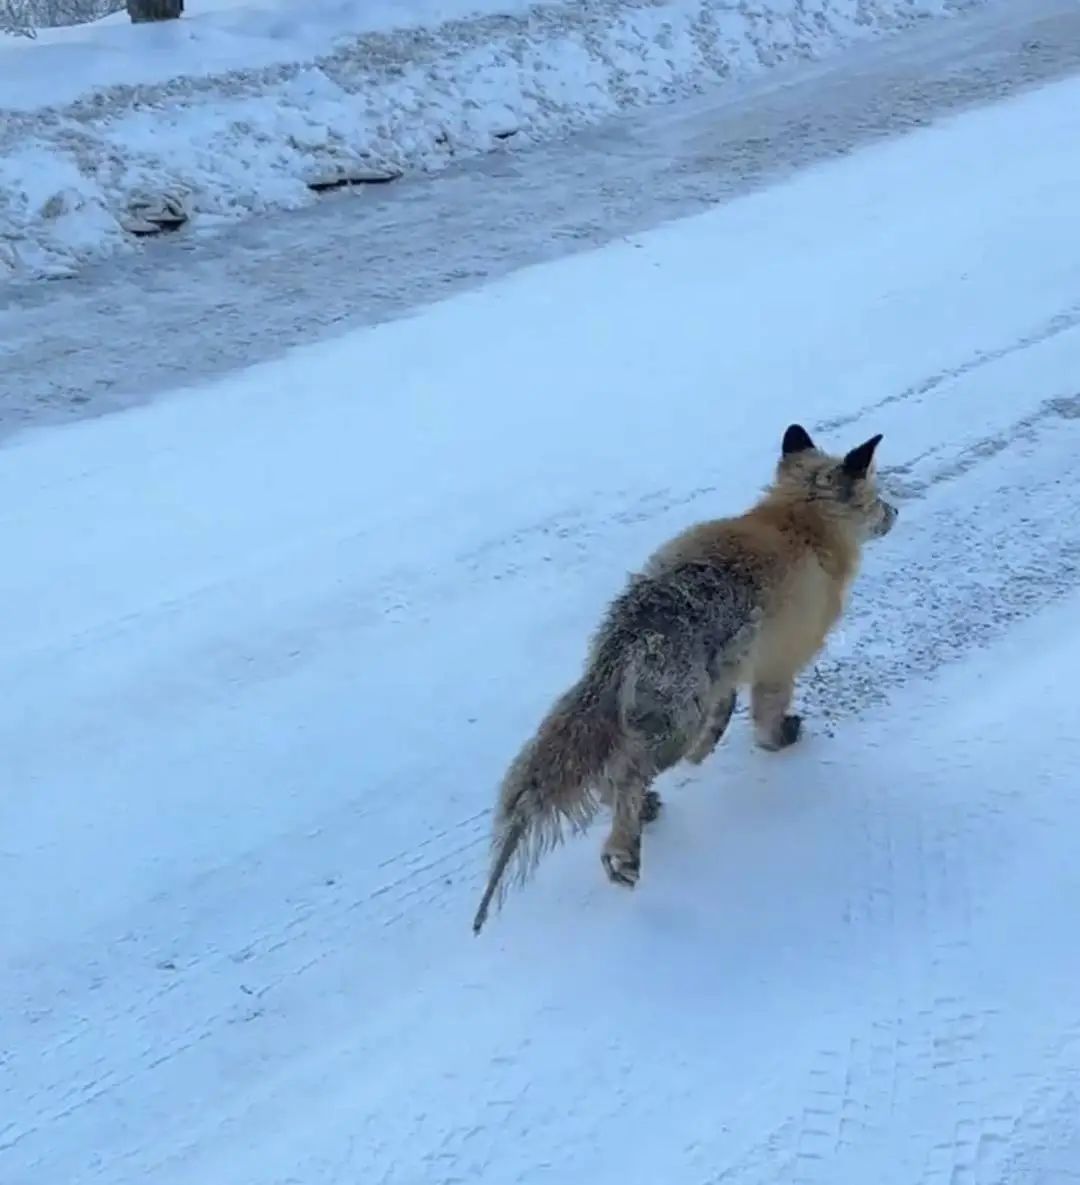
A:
x,y
110,129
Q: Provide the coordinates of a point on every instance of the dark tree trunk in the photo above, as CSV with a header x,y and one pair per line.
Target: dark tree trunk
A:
x,y
154,10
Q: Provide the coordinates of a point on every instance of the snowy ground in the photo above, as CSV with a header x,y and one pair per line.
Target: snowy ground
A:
x,y
239,107
270,642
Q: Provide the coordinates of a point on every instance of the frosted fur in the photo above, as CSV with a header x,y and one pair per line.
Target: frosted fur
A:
x,y
745,600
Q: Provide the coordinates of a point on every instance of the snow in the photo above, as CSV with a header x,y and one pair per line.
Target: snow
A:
x,y
223,302
212,37
235,109
269,643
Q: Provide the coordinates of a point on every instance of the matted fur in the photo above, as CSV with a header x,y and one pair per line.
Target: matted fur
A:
x,y
743,600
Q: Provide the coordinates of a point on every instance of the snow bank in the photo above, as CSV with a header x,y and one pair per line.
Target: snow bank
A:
x,y
111,129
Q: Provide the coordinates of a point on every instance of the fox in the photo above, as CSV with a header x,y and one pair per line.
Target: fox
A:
x,y
743,601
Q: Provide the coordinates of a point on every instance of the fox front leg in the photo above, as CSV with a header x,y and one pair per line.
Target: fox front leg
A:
x,y
774,726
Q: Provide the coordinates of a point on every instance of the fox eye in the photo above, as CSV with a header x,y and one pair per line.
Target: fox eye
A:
x,y
847,484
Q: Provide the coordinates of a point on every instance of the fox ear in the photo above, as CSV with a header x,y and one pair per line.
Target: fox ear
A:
x,y
857,462
796,440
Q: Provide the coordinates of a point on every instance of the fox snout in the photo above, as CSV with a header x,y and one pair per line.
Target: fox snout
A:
x,y
886,520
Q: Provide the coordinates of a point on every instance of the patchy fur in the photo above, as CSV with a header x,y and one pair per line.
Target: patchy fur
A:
x,y
739,601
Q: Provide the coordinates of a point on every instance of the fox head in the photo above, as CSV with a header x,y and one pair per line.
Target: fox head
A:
x,y
845,487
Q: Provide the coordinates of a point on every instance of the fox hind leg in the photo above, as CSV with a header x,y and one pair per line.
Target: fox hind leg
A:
x,y
629,794
651,806
651,802
664,745
775,727
716,723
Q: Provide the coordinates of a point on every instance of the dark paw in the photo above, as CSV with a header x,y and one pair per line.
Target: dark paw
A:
x,y
651,805
790,730
787,734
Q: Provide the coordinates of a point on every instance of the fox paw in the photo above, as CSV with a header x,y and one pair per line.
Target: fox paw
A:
x,y
651,806
786,734
790,730
622,865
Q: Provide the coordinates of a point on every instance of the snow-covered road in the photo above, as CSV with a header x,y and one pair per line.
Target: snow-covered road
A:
x,y
185,309
268,644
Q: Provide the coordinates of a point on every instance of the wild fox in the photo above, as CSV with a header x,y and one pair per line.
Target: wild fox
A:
x,y
744,600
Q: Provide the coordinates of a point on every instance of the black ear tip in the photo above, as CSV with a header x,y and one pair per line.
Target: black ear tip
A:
x,y
858,460
796,440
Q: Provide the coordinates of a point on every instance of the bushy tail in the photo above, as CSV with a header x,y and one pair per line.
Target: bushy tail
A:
x,y
552,784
